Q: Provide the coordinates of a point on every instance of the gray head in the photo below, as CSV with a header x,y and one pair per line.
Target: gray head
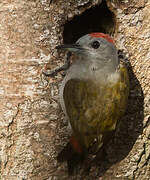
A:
x,y
96,47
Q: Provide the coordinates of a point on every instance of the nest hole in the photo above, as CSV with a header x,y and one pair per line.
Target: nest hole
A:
x,y
95,19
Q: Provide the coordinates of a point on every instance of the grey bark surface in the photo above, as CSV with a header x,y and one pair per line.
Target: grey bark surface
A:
x,y
33,129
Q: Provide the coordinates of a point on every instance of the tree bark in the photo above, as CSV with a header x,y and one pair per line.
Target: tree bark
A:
x,y
33,129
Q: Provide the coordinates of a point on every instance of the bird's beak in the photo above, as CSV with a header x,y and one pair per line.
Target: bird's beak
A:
x,y
70,47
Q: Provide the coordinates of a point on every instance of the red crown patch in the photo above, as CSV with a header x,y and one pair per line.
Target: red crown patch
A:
x,y
102,35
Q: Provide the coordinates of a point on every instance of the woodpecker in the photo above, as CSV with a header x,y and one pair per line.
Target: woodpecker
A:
x,y
94,92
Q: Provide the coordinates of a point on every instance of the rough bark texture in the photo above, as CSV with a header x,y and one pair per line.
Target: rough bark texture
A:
x,y
33,129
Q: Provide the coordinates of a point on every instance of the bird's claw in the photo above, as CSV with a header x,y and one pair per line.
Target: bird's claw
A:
x,y
50,73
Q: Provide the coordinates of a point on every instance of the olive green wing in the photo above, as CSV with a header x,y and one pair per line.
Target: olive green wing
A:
x,y
94,108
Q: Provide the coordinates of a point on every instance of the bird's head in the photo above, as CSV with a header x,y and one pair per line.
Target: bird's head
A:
x,y
97,47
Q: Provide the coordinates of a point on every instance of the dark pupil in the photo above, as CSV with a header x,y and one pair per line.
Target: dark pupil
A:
x,y
95,44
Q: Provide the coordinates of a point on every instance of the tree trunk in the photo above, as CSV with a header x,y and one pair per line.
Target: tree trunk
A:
x,y
33,129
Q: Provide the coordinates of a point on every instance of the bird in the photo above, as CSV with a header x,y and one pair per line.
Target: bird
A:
x,y
94,92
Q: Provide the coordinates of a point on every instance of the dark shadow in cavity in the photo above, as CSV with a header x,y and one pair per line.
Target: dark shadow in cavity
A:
x,y
95,19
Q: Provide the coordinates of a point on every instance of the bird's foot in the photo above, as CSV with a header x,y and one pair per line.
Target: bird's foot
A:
x,y
54,72
64,68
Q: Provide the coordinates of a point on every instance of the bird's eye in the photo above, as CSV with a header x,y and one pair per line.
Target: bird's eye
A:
x,y
95,44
